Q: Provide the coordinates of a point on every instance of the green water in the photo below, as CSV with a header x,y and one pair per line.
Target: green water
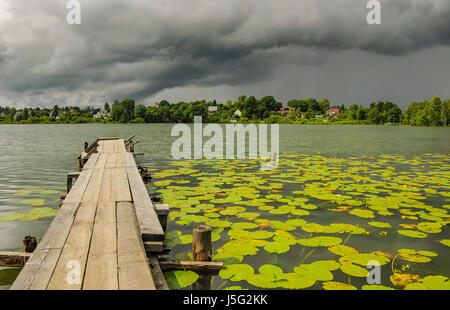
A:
x,y
39,157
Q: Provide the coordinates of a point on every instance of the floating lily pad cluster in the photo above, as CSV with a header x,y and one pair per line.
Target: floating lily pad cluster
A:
x,y
315,218
37,206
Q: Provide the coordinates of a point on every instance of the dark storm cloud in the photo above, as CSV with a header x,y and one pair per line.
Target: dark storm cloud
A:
x,y
139,48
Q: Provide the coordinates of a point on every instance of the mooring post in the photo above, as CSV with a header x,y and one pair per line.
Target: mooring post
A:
x,y
201,243
202,251
70,177
80,165
69,183
29,244
86,145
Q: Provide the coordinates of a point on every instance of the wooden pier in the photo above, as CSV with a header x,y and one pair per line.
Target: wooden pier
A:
x,y
98,239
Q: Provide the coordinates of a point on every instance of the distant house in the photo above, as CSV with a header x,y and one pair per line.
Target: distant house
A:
x,y
100,113
333,111
237,113
285,109
212,109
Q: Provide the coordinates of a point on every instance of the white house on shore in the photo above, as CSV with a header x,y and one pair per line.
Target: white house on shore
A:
x,y
101,113
237,113
212,109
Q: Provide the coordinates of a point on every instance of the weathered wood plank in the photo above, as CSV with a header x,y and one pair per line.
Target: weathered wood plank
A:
x,y
149,225
77,245
122,188
101,268
13,259
108,146
111,161
91,161
197,266
157,273
129,160
120,146
39,268
120,160
79,187
134,270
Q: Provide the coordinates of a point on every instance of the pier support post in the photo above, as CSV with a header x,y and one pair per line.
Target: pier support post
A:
x,y
80,164
70,177
202,251
162,210
29,244
201,243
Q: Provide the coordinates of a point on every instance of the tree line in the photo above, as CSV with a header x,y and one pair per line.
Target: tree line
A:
x,y
244,109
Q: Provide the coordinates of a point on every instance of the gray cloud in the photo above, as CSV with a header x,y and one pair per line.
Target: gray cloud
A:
x,y
144,48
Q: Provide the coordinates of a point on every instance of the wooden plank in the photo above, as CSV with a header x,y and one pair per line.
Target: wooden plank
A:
x,y
77,245
108,146
91,161
158,276
197,266
39,268
120,146
122,188
153,246
120,160
134,270
111,161
108,138
101,267
13,259
129,160
101,162
149,225
79,187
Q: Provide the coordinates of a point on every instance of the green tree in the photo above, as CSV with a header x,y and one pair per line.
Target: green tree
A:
x,y
140,111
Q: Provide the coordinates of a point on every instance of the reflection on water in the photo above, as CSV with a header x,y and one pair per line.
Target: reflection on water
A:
x,y
39,157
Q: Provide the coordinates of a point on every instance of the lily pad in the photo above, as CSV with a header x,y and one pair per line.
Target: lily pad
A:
x,y
380,224
332,285
342,250
34,202
354,270
180,279
277,247
412,233
436,282
376,287
236,272
270,270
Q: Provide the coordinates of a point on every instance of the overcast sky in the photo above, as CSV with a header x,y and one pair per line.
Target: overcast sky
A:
x,y
211,49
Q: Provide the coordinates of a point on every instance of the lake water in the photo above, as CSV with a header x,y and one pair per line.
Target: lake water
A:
x,y
406,167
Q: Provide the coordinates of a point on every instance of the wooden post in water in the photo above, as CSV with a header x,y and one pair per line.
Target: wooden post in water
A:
x,y
202,251
29,244
201,243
